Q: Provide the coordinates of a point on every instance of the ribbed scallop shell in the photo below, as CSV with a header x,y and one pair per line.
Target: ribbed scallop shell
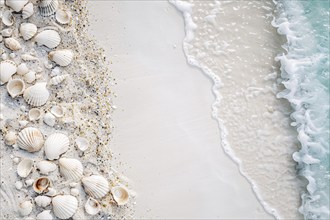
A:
x,y
15,87
71,169
12,43
16,5
28,30
64,206
61,57
27,11
120,195
48,38
30,139
7,69
96,186
48,7
57,79
8,18
36,95
25,167
55,145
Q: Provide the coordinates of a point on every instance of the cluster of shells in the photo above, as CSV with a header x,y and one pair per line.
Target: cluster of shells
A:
x,y
21,80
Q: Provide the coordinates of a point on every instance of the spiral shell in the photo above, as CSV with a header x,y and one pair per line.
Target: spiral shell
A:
x,y
71,169
96,186
55,145
120,195
27,11
7,69
30,139
8,18
28,30
57,79
48,38
46,167
25,167
12,43
48,7
16,5
61,57
41,184
15,87
63,16
36,95
64,206
92,206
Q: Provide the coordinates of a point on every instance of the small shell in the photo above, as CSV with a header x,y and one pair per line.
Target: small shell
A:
x,y
55,145
16,5
92,206
51,192
64,206
28,57
49,119
12,43
58,111
28,30
22,69
29,182
25,208
41,184
57,79
44,215
48,7
23,123
35,114
25,167
8,18
36,95
120,195
43,201
71,169
18,185
10,138
82,143
46,167
27,11
7,32
62,57
7,69
15,87
96,186
49,38
63,16
74,192
30,139
30,77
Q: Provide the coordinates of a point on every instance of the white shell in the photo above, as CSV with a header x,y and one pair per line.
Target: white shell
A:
x,y
51,192
92,206
63,16
120,195
58,111
61,57
25,208
36,95
28,57
29,182
30,139
8,18
35,114
16,5
18,185
22,69
7,69
48,7
49,119
28,30
71,169
82,143
30,77
27,11
49,38
25,167
43,201
55,145
46,167
64,206
7,32
15,87
96,186
41,184
12,44
57,79
44,215
74,192
10,138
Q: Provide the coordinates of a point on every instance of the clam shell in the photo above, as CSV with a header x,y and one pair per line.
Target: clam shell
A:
x,y
30,139
35,114
22,69
12,43
41,184
92,206
46,167
43,201
48,38
25,167
27,11
82,143
49,119
8,18
96,186
61,57
15,87
7,69
25,208
57,111
7,32
36,95
55,145
28,30
10,138
44,215
57,79
30,77
16,5
120,195
71,169
48,7
63,16
64,206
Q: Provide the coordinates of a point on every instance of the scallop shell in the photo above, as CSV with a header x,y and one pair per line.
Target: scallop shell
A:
x,y
41,184
10,138
82,143
12,43
8,18
46,167
71,169
49,38
92,206
35,114
49,119
27,11
25,167
43,201
57,111
96,186
63,16
36,95
64,206
55,145
44,215
15,87
28,30
30,139
61,57
30,77
16,5
120,195
57,79
7,69
25,208
22,69
48,7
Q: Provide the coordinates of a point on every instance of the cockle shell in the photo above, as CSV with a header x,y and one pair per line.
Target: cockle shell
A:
x,y
27,11
64,206
28,30
10,138
12,43
22,69
8,18
92,206
34,114
25,208
44,215
57,79
15,87
49,38
62,57
120,195
30,77
43,201
71,169
48,7
16,5
46,167
30,139
7,69
49,119
82,143
55,145
36,95
25,167
96,186
41,184
57,111
63,16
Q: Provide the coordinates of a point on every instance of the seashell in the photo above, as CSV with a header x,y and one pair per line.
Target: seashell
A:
x,y
92,206
12,43
16,5
22,69
63,16
7,69
46,167
49,119
74,192
44,215
82,143
10,138
30,77
55,145
28,30
43,201
36,95
27,11
61,57
15,87
41,184
120,195
96,186
64,206
18,185
58,111
23,123
25,208
28,57
48,7
30,139
25,167
57,79
7,32
8,18
51,192
71,169
48,38
56,71
29,182
34,114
